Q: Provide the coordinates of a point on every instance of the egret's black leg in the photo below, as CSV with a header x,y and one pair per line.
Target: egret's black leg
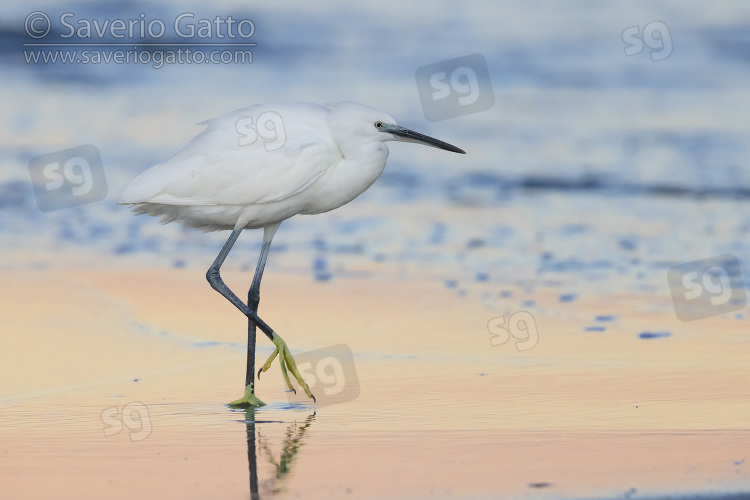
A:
x,y
214,279
253,299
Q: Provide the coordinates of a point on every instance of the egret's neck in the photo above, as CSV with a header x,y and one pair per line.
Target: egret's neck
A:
x,y
363,163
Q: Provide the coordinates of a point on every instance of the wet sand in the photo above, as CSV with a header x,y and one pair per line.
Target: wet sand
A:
x,y
436,412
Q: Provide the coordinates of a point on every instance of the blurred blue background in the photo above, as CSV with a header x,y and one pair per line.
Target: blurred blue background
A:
x,y
591,163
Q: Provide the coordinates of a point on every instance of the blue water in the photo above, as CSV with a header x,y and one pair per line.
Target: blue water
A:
x,y
592,166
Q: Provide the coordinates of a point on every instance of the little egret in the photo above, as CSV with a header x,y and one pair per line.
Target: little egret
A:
x,y
258,166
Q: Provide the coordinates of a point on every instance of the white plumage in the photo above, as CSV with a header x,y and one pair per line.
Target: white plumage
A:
x,y
317,158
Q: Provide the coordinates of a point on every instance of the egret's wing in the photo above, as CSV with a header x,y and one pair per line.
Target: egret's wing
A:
x,y
222,166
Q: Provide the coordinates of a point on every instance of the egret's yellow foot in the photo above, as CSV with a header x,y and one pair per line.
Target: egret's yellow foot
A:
x,y
249,399
287,361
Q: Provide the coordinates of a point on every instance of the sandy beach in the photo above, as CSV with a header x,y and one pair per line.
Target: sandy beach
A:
x,y
439,410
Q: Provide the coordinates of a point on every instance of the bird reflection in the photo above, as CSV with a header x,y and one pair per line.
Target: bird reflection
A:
x,y
258,444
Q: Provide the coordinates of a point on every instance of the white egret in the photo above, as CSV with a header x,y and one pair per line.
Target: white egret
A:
x,y
259,166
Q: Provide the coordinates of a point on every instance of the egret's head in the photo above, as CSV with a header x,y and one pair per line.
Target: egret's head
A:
x,y
372,124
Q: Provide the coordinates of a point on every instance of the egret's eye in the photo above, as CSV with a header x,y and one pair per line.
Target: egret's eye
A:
x,y
378,124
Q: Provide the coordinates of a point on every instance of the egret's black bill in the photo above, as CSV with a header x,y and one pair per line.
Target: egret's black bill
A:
x,y
410,136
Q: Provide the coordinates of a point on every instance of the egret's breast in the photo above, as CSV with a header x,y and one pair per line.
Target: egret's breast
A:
x,y
350,177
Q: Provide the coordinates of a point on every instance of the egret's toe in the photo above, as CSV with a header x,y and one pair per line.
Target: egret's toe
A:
x,y
249,399
287,365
